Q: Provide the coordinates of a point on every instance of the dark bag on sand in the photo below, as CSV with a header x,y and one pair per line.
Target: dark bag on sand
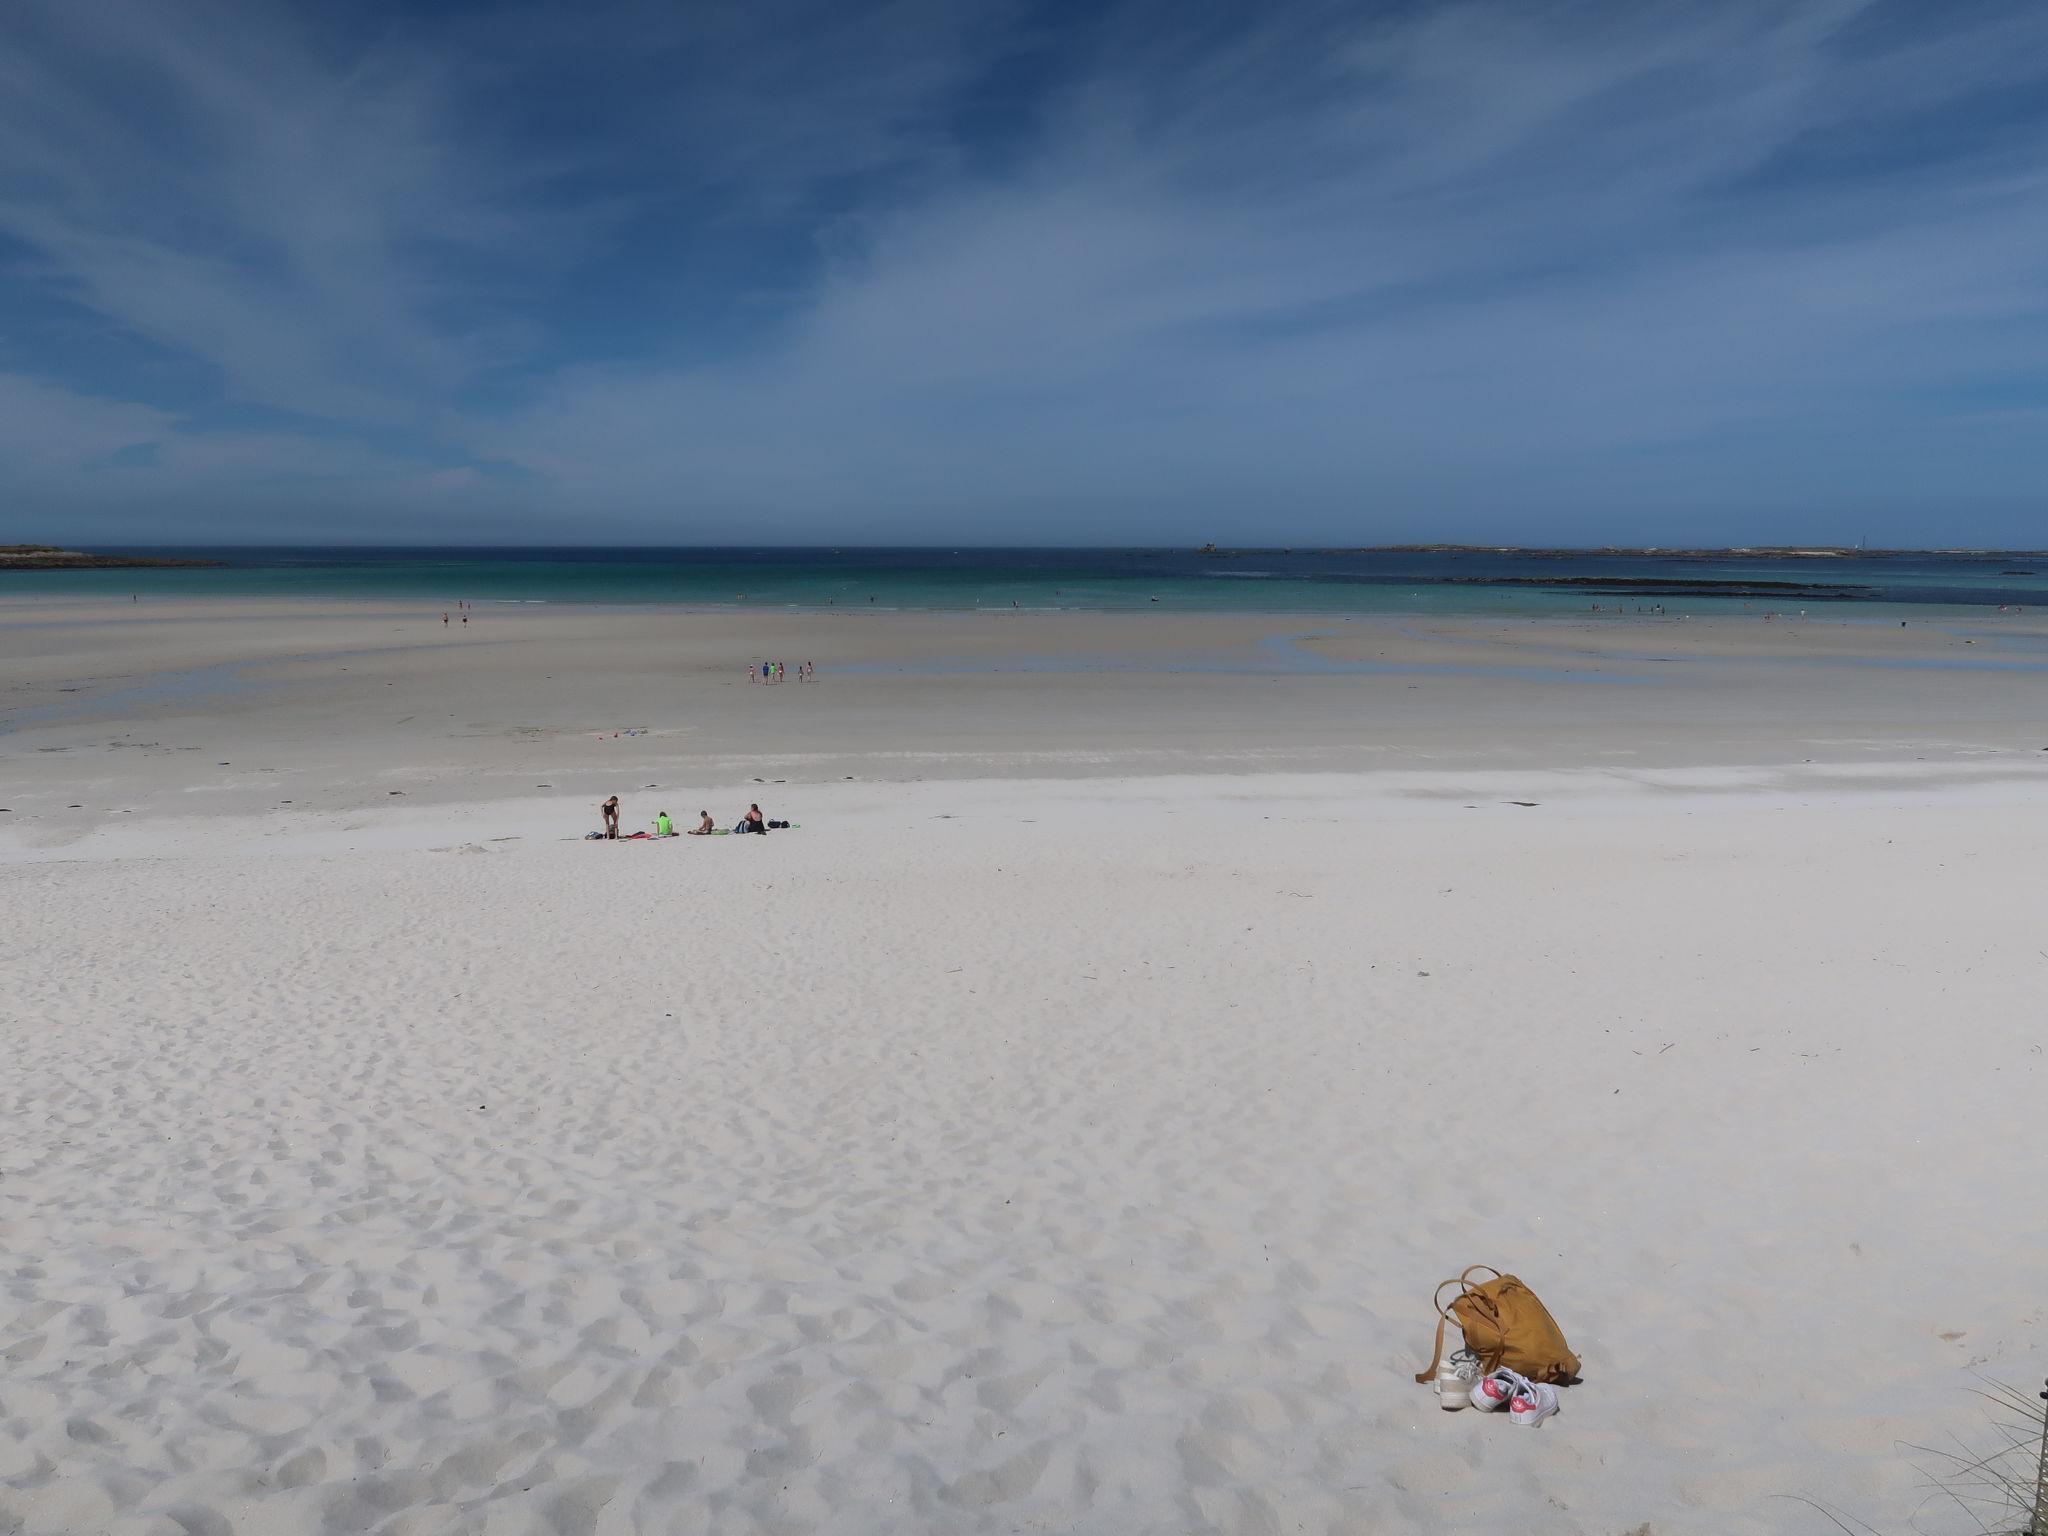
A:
x,y
1504,1325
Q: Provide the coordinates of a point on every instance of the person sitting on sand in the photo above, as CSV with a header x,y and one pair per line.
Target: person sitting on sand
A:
x,y
663,827
610,812
753,821
703,827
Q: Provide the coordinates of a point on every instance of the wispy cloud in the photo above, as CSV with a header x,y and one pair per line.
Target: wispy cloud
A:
x,y
48,431
932,271
201,176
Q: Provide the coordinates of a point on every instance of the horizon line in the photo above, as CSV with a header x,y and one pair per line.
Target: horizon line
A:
x,y
1304,548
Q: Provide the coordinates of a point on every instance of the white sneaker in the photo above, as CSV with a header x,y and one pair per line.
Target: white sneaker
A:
x,y
1456,1375
1534,1401
1496,1391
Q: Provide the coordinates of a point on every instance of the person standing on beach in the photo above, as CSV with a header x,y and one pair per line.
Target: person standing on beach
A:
x,y
610,812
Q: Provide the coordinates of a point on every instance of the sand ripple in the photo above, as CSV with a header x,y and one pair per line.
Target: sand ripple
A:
x,y
982,1180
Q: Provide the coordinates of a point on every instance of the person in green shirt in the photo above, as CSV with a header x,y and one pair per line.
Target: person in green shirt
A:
x,y
663,827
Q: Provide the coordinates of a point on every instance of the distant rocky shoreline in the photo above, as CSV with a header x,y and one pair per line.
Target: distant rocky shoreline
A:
x,y
1630,551
1736,552
48,557
1648,586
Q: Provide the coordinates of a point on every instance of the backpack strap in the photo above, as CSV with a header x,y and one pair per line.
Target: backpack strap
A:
x,y
1493,1358
1436,1355
1442,1317
1464,1284
1437,1300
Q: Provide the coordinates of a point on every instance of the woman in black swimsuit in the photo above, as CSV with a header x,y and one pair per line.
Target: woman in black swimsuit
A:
x,y
610,812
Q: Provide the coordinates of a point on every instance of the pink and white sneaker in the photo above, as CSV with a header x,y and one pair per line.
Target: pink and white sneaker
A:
x,y
1533,1402
1497,1390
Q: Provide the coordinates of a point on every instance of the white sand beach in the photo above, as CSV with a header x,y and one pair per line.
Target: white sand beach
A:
x,y
1064,1127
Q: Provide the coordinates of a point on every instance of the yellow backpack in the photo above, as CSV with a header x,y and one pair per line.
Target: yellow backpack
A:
x,y
1504,1325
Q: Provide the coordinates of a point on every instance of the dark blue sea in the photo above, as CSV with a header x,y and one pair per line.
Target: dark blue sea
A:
x,y
1243,581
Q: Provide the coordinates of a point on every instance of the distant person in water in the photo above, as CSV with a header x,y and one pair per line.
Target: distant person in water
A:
x,y
703,827
610,812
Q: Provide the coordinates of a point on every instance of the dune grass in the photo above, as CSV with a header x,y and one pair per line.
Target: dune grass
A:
x,y
1998,1487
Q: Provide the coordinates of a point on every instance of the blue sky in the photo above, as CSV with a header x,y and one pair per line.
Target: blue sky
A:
x,y
952,271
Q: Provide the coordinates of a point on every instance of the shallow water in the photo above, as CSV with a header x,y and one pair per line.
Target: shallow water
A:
x,y
1257,581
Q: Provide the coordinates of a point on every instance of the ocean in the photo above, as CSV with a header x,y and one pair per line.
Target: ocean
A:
x,y
1877,585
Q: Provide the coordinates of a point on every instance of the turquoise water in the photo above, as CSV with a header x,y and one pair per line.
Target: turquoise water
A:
x,y
1245,581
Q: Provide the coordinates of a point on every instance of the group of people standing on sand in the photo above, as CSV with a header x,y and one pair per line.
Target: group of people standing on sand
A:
x,y
777,672
608,813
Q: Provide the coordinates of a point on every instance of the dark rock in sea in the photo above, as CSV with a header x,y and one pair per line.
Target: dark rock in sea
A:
x,y
47,557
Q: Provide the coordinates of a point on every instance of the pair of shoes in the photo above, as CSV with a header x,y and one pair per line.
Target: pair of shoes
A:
x,y
1456,1375
1527,1402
